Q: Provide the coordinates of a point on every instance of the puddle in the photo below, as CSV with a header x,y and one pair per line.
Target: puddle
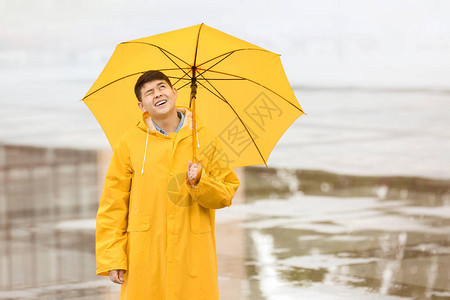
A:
x,y
289,235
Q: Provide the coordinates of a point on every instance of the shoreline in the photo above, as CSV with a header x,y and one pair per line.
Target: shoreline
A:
x,y
440,181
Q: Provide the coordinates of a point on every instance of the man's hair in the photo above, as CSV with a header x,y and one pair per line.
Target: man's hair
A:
x,y
147,77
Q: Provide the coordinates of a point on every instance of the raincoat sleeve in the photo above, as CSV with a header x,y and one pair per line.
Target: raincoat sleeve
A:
x,y
218,182
111,235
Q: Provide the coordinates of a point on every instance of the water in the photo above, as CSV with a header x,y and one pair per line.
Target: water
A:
x,y
369,132
290,234
341,237
351,131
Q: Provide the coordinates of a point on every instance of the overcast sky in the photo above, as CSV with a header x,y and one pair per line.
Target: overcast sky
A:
x,y
386,43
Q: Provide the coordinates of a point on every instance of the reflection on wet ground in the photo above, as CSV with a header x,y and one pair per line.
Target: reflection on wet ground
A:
x,y
40,258
289,234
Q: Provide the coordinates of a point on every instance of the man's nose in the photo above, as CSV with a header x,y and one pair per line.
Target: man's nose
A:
x,y
157,93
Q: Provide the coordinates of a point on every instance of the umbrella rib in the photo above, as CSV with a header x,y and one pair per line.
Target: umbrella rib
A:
x,y
233,51
257,83
196,44
183,85
215,79
237,115
200,74
173,62
218,96
162,49
181,78
121,78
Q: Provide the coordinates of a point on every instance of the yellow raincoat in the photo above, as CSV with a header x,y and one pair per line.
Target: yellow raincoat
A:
x,y
151,223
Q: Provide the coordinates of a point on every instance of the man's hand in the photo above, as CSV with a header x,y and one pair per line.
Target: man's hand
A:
x,y
194,171
116,276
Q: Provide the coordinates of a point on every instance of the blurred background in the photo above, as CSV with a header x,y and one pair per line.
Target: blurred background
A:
x,y
355,203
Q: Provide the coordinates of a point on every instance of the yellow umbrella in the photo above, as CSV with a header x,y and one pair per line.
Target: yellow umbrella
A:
x,y
237,89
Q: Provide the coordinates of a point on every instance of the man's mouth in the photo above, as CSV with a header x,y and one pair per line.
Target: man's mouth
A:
x,y
159,103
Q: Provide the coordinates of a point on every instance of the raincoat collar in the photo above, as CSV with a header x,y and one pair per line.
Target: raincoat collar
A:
x,y
152,129
180,123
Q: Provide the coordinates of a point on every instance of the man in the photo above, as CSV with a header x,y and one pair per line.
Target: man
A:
x,y
155,224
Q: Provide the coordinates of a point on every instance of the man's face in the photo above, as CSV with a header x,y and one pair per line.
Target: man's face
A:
x,y
158,98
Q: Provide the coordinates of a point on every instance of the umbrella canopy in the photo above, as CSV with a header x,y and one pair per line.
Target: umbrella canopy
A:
x,y
242,93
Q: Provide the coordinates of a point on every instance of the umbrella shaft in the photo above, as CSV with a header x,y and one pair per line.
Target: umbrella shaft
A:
x,y
194,122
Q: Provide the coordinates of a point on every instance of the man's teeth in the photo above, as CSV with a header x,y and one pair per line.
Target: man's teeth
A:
x,y
161,103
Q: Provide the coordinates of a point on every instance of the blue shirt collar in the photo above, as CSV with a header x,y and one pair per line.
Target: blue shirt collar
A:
x,y
180,115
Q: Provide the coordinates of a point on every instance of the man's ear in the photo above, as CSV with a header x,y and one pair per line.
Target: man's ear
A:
x,y
175,92
141,106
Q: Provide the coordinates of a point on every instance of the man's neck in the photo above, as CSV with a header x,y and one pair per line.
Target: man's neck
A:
x,y
169,123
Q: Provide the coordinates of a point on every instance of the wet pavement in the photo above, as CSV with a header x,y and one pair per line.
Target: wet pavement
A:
x,y
290,234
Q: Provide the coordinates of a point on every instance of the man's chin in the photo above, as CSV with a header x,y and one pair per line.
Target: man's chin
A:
x,y
163,112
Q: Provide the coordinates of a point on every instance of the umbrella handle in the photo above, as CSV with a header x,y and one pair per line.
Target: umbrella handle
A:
x,y
195,145
194,132
199,174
